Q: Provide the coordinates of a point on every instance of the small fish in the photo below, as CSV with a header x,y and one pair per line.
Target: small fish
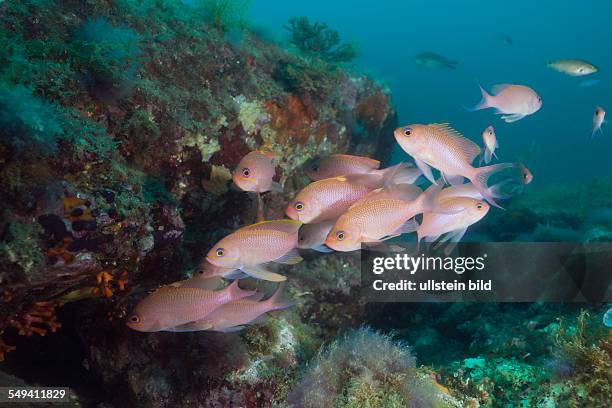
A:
x,y
312,236
489,141
526,175
573,67
236,315
327,199
607,319
433,60
587,83
172,305
340,165
381,215
452,218
255,172
250,247
598,119
514,102
442,147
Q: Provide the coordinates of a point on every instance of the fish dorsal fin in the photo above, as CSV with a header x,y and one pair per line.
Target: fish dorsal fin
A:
x,y
499,88
366,161
403,192
370,180
465,146
288,226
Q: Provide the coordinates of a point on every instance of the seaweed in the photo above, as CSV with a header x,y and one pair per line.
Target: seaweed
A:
x,y
365,369
318,39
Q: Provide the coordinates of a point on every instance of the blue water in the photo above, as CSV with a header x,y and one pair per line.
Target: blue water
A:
x,y
389,33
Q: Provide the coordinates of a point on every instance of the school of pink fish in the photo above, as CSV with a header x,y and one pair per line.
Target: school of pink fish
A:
x,y
351,202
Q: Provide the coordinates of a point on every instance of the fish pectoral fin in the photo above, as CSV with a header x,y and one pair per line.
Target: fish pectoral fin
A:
x,y
290,258
258,272
424,167
276,187
233,275
452,238
406,228
323,248
453,180
263,319
512,118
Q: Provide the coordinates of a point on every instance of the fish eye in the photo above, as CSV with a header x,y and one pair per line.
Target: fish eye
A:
x,y
479,206
340,235
220,252
314,167
299,206
134,319
246,172
407,131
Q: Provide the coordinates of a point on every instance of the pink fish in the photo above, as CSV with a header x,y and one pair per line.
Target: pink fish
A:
x,y
381,215
526,175
255,172
250,247
173,305
327,199
489,141
513,101
312,236
598,119
442,147
236,315
340,165
452,218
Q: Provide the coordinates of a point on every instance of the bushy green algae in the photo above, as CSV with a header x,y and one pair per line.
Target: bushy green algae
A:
x,y
366,369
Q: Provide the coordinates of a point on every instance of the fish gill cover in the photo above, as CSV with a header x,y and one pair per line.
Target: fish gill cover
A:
x,y
122,125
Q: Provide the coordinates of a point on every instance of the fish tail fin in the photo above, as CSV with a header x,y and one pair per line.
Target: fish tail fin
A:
x,y
497,190
481,176
451,64
393,174
484,103
279,299
402,173
234,292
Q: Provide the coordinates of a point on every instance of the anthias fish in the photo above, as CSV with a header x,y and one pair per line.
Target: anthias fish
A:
x,y
312,236
455,215
599,117
236,315
255,172
340,165
442,147
174,305
573,67
327,199
489,141
433,60
250,247
380,215
513,102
